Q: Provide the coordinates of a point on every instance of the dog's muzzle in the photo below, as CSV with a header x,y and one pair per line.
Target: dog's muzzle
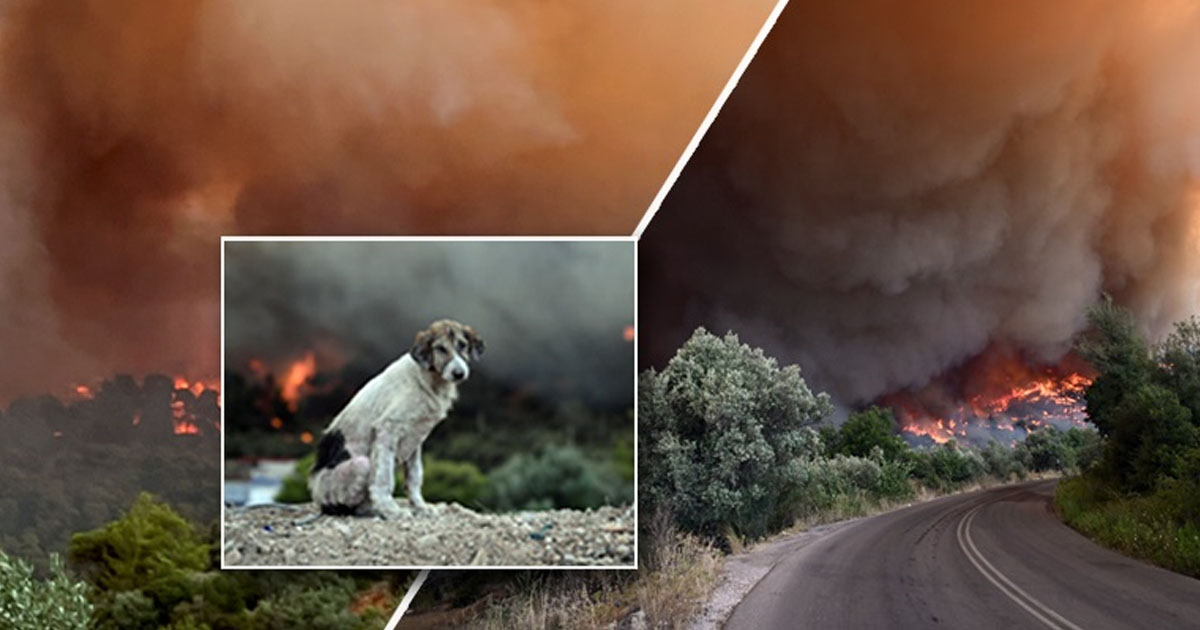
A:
x,y
456,370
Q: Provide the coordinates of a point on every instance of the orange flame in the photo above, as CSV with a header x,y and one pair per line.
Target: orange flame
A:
x,y
629,333
296,378
198,386
998,388
184,422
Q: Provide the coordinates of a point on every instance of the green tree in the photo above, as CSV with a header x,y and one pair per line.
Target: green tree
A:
x,y
27,603
1151,433
1000,461
149,542
1048,450
1086,446
723,430
865,430
1178,360
1113,346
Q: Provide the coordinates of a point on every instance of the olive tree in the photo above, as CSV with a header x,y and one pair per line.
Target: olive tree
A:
x,y
723,433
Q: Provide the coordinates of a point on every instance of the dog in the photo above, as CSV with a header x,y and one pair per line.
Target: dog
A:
x,y
386,422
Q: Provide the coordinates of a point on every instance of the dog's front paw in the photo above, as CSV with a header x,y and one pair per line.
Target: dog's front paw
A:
x,y
388,510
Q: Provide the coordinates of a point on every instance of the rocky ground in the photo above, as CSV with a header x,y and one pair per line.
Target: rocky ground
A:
x,y
444,534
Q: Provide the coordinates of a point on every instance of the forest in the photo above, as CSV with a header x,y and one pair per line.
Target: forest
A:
x,y
1142,497
108,519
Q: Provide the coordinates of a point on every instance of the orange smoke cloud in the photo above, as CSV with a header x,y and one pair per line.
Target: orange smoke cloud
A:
x,y
895,187
134,133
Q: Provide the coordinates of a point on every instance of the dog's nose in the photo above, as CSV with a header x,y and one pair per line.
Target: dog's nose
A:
x,y
458,374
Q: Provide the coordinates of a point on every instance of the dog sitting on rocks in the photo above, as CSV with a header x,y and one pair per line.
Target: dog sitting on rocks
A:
x,y
386,422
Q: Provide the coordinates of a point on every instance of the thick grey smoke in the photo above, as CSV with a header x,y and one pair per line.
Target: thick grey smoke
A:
x,y
895,187
553,314
134,133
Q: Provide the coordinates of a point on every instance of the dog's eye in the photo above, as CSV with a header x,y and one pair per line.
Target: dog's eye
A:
x,y
439,350
461,345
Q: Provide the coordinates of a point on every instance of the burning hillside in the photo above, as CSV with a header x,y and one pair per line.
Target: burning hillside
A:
x,y
121,408
997,395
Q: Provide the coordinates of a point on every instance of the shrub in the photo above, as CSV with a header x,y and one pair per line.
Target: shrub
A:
x,y
1001,462
1047,450
831,484
873,428
295,485
324,607
947,466
1160,527
723,429
445,480
556,477
623,460
27,603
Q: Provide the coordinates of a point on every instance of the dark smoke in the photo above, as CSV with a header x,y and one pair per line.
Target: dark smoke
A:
x,y
553,314
133,134
896,186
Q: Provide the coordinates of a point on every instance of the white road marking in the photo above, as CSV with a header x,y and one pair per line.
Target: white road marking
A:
x,y
1001,581
407,601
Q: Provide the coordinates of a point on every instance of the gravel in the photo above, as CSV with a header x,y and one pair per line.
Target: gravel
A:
x,y
442,535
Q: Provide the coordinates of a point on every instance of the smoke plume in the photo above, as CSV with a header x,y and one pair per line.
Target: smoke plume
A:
x,y
553,314
895,188
133,133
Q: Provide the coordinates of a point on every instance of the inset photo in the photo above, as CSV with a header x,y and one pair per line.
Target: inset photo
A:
x,y
405,402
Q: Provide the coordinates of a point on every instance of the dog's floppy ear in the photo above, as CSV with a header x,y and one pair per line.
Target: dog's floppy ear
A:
x,y
474,343
422,349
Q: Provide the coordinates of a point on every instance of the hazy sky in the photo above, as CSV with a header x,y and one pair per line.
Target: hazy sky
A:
x,y
553,314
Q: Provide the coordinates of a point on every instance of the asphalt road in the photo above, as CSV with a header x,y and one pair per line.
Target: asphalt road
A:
x,y
997,558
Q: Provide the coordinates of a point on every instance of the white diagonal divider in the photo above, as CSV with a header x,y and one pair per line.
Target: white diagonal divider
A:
x,y
407,601
708,120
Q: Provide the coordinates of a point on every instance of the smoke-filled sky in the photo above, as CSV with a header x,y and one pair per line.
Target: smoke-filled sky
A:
x,y
896,186
552,314
133,134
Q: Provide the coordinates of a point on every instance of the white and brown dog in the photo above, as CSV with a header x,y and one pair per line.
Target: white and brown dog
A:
x,y
386,422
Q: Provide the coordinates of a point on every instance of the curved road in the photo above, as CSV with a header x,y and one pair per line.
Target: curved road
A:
x,y
997,558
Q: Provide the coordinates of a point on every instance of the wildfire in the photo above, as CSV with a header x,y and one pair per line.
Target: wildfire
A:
x,y
191,412
197,387
297,376
997,394
185,423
